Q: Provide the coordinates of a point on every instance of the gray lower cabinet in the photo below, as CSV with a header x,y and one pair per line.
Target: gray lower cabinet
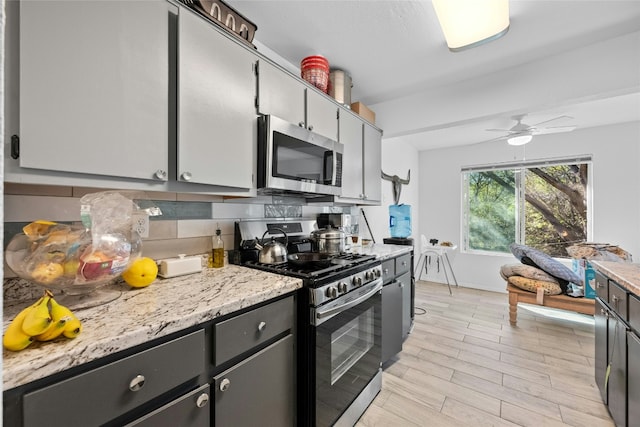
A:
x,y
601,316
633,376
192,410
105,393
259,386
260,390
405,285
396,304
391,320
617,350
617,386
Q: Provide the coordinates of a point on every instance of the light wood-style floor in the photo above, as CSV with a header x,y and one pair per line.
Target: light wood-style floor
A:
x,y
464,365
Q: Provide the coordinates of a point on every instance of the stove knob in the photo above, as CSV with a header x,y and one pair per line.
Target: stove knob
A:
x,y
376,273
357,281
332,292
342,287
368,276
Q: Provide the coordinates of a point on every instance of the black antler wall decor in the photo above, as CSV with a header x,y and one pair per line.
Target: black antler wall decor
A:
x,y
397,184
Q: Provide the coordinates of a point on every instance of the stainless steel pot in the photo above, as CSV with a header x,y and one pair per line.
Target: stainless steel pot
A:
x,y
272,252
328,241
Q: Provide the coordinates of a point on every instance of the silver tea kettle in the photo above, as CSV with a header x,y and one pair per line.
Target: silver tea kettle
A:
x,y
272,252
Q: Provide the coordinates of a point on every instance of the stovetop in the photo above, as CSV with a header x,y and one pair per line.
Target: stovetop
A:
x,y
342,265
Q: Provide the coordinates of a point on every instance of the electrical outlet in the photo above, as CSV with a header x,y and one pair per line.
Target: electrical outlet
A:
x,y
141,224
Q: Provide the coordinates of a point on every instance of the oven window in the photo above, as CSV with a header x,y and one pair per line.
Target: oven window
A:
x,y
300,160
350,343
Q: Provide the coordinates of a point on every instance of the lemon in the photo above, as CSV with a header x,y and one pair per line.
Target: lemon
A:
x,y
141,273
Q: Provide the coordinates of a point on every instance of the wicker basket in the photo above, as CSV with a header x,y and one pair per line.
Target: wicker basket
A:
x,y
315,70
227,17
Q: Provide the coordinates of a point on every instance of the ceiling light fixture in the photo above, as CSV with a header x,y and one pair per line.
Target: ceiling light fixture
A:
x,y
469,23
519,139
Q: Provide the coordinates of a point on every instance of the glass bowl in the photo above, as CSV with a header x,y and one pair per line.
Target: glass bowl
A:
x,y
70,260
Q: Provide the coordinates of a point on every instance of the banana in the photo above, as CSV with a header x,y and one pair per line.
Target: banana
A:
x,y
37,320
14,339
59,316
72,328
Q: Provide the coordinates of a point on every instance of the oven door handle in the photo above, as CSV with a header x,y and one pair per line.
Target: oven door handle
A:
x,y
343,307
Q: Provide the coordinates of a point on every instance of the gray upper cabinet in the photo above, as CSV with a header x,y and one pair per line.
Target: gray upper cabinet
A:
x,y
352,157
373,164
217,121
94,87
279,94
282,95
322,114
362,159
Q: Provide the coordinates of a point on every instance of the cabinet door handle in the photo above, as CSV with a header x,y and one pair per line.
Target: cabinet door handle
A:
x,y
386,271
310,127
261,326
187,176
161,174
404,263
301,124
137,383
225,384
202,400
599,285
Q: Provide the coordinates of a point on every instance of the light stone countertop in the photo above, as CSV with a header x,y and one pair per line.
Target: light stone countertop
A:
x,y
626,274
382,251
141,315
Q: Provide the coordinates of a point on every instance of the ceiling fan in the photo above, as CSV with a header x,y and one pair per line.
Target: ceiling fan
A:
x,y
521,133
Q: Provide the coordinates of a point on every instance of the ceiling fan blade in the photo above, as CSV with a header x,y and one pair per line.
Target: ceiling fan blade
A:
x,y
500,138
499,130
554,119
557,129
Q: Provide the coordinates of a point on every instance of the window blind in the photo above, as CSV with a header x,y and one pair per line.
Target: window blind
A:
x,y
585,158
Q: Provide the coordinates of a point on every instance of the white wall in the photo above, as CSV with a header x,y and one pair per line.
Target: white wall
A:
x,y
397,159
616,192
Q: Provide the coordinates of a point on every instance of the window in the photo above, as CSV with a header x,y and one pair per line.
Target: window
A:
x,y
542,204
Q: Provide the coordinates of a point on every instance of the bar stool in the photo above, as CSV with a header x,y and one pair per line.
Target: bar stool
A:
x,y
441,252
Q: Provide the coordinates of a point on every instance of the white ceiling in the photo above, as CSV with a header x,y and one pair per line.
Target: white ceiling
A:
x,y
400,66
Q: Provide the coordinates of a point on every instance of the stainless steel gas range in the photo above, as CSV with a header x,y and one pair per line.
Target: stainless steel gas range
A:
x,y
339,327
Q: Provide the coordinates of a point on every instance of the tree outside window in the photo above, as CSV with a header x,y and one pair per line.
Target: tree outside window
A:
x,y
542,206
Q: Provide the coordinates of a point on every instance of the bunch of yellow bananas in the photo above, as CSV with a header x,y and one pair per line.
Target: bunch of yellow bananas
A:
x,y
43,321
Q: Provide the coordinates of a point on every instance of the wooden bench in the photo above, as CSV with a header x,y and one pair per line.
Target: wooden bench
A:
x,y
564,302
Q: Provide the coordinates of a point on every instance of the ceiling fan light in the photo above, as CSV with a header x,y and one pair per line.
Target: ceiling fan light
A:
x,y
519,140
469,23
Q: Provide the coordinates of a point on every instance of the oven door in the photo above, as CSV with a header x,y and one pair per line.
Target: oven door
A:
x,y
347,350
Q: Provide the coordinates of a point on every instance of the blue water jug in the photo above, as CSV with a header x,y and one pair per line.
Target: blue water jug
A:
x,y
400,220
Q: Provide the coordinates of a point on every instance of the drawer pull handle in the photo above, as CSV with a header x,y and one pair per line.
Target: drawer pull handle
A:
x,y
202,400
615,300
404,263
386,271
261,326
599,285
225,384
137,383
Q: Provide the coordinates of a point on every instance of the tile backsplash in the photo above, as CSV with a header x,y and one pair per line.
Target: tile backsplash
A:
x,y
186,226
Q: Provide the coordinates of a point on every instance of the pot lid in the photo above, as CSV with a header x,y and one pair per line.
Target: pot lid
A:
x,y
328,233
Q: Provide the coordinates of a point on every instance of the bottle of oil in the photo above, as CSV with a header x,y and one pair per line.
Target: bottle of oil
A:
x,y
218,250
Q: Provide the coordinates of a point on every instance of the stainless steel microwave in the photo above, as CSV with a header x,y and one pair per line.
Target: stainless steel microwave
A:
x,y
294,159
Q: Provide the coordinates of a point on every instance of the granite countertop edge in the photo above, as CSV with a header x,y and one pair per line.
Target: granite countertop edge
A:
x,y
165,307
626,274
141,315
382,251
